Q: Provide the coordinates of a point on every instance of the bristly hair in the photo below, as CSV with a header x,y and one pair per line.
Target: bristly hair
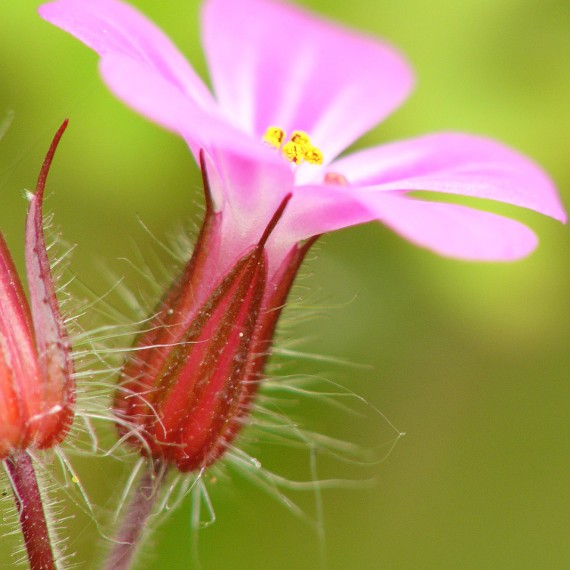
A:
x,y
271,422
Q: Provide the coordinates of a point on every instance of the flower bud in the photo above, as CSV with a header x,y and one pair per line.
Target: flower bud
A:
x,y
189,384
37,390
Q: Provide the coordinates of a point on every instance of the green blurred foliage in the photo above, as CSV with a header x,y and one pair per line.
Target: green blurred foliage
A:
x,y
470,360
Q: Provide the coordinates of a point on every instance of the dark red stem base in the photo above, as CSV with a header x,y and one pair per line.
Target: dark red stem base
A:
x,y
30,511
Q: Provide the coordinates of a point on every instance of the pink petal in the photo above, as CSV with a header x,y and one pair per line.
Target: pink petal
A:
x,y
316,210
273,64
112,28
452,230
162,102
454,163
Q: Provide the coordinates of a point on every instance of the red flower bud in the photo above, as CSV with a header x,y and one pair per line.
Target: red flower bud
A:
x,y
190,381
37,390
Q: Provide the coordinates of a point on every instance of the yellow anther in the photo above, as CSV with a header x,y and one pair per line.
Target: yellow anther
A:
x,y
293,152
300,137
297,149
274,136
335,179
313,155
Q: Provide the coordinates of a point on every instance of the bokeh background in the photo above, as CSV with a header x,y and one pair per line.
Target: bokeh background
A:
x,y
470,360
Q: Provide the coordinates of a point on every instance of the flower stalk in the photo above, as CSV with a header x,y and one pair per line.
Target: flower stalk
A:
x,y
131,530
30,511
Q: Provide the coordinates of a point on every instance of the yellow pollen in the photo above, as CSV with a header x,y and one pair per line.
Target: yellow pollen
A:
x,y
297,149
313,155
293,152
299,137
274,136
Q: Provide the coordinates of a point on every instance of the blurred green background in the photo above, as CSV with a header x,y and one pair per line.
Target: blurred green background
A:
x,y
470,360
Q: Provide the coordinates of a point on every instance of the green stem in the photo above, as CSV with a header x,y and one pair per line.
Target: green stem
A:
x,y
130,533
30,511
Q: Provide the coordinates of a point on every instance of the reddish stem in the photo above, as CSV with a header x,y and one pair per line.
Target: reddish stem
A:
x,y
132,528
30,511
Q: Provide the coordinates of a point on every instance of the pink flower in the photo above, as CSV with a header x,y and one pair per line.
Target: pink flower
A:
x,y
37,391
291,93
273,65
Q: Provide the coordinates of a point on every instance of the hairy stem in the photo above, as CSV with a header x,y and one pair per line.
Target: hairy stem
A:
x,y
30,511
130,533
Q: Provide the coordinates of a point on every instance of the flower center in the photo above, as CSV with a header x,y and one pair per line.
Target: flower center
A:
x,y
297,149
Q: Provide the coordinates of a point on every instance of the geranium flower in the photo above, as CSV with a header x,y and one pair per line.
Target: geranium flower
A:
x,y
291,92
273,65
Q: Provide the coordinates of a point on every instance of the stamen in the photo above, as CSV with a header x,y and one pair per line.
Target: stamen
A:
x,y
297,149
335,179
293,152
300,137
274,136
313,155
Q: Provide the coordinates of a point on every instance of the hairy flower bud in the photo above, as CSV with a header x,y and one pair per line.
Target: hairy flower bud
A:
x,y
189,384
37,390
